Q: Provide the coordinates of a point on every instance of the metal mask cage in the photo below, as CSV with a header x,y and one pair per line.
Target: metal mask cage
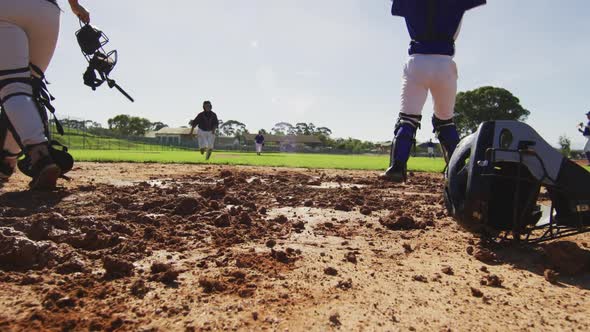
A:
x,y
90,39
497,182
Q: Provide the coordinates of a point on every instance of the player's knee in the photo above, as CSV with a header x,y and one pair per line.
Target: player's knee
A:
x,y
12,86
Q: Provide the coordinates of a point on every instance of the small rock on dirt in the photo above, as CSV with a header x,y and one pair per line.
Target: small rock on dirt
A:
x,y
330,271
551,276
117,267
476,292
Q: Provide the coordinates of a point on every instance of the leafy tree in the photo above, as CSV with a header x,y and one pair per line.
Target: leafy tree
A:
x,y
263,131
323,131
302,128
283,128
233,128
485,104
565,145
127,125
158,125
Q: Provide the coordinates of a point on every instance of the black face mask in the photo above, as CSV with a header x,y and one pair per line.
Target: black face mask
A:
x,y
100,63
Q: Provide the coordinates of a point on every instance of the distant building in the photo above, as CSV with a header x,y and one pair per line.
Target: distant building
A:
x,y
287,143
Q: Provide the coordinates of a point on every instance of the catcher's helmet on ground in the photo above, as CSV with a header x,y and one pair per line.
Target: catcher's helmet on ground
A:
x,y
494,178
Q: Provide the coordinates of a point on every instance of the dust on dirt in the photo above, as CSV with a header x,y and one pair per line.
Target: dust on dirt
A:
x,y
178,247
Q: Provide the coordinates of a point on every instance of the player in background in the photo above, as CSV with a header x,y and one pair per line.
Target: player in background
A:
x,y
433,26
259,142
585,130
29,31
206,123
430,147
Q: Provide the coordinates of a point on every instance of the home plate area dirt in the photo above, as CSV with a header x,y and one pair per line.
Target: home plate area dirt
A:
x,y
196,248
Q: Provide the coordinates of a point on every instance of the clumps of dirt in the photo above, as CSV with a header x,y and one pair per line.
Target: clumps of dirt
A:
x,y
567,257
281,219
164,273
116,267
187,206
420,278
448,270
245,219
483,255
285,257
407,248
491,280
222,221
551,276
72,266
139,289
214,193
335,320
403,223
299,226
18,252
344,284
476,292
350,257
365,210
211,285
271,243
344,205
330,271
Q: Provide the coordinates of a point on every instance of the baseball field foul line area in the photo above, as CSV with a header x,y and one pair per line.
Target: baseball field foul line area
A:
x,y
297,160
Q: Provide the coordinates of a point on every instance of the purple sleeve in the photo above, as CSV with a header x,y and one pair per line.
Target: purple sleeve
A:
x,y
470,4
399,7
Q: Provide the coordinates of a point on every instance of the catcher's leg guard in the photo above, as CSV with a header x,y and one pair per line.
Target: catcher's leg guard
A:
x,y
447,134
405,133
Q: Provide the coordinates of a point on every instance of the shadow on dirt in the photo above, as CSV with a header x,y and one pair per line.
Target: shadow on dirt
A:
x,y
29,202
567,258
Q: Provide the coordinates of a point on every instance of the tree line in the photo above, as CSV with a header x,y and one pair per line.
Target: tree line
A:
x,y
471,108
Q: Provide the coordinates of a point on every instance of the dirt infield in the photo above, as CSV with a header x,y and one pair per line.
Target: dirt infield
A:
x,y
177,247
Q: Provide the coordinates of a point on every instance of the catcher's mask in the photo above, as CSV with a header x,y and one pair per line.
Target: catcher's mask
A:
x,y
100,62
495,176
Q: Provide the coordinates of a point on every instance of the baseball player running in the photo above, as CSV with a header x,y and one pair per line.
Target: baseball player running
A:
x,y
433,26
207,124
29,31
585,130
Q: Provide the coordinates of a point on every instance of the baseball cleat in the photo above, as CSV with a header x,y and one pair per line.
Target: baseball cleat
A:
x,y
396,173
45,174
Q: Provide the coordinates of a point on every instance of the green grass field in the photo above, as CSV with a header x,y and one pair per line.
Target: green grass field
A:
x,y
325,161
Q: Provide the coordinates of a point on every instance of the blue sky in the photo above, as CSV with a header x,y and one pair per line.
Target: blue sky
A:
x,y
336,63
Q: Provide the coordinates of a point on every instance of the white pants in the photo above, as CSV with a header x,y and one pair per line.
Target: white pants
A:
x,y
587,147
431,151
434,73
206,139
28,34
258,147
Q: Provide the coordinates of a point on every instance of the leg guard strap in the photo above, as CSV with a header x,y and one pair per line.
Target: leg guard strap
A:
x,y
447,134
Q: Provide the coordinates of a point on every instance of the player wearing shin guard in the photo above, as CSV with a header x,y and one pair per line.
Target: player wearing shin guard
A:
x,y
433,26
28,34
207,124
585,130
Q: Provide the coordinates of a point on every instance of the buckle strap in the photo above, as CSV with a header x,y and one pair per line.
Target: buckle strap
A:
x,y
411,119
